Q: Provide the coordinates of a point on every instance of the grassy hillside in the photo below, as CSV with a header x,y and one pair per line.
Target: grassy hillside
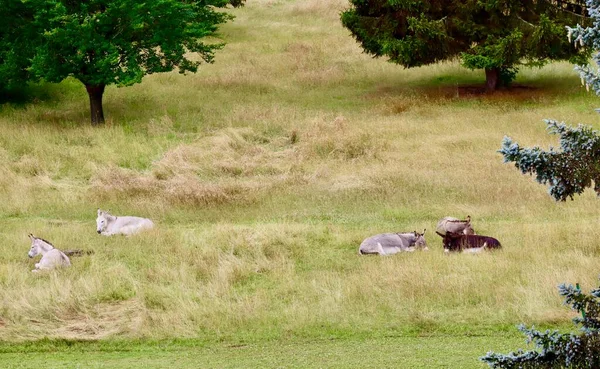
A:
x,y
264,171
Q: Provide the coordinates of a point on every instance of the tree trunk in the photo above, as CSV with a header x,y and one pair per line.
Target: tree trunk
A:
x,y
492,77
95,93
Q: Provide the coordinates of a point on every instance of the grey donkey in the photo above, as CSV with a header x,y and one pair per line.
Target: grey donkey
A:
x,y
454,225
392,243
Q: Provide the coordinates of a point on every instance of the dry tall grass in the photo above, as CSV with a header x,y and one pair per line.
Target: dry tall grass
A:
x,y
264,172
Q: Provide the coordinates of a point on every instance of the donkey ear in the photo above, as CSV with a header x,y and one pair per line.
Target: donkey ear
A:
x,y
100,211
31,236
424,230
468,219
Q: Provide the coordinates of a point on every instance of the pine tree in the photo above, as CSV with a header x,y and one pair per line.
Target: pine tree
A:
x,y
576,166
560,350
496,36
567,172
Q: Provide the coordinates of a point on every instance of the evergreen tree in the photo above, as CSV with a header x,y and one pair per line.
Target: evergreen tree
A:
x,y
104,42
568,171
497,36
576,165
560,350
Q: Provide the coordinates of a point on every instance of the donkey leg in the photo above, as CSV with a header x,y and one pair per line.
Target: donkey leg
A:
x,y
380,249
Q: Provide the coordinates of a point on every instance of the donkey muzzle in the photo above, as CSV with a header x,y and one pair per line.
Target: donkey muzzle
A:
x,y
99,231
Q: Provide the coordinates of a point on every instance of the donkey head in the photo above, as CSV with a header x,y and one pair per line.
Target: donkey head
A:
x,y
102,220
468,228
38,246
420,240
451,242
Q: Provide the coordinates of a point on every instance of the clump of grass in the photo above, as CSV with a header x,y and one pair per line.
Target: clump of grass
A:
x,y
229,167
334,139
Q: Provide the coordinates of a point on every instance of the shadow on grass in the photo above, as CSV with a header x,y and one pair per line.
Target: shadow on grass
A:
x,y
42,92
65,105
453,88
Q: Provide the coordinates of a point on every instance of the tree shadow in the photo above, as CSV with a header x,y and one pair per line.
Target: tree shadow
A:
x,y
524,87
36,92
448,87
66,105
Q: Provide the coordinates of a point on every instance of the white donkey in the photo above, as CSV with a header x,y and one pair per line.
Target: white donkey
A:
x,y
51,257
107,224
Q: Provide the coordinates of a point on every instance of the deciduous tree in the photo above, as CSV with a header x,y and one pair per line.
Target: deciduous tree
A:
x,y
118,42
17,43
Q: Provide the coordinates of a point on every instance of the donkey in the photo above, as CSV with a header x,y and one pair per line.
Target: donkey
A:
x,y
108,225
455,242
454,225
51,257
391,243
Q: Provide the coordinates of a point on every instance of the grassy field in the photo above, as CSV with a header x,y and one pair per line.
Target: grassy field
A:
x,y
264,172
381,352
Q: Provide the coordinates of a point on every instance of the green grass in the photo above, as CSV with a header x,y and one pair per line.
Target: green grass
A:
x,y
383,352
263,173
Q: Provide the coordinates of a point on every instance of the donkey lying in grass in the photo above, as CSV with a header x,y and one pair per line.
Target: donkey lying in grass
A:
x,y
107,224
391,243
455,242
454,225
51,257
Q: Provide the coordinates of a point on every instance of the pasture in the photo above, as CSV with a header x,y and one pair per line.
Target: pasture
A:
x,y
263,173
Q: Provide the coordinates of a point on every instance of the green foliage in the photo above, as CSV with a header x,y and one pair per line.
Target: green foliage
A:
x,y
402,30
588,38
491,35
566,172
560,350
17,42
577,166
104,42
119,41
